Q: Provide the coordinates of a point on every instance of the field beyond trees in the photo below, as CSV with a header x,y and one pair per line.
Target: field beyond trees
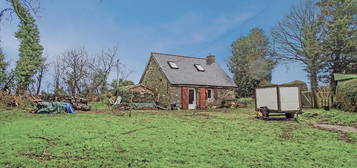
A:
x,y
220,138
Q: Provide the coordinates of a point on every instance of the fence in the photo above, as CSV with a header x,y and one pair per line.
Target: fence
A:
x,y
324,98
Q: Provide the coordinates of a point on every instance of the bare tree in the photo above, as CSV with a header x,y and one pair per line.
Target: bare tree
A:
x,y
75,66
298,37
77,73
101,67
58,76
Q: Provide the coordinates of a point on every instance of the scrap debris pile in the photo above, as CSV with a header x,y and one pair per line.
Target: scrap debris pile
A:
x,y
45,103
233,103
135,97
10,100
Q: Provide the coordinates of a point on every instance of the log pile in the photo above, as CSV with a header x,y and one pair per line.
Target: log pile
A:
x,y
12,100
26,99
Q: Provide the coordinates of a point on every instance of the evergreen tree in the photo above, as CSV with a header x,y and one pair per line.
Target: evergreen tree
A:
x,y
30,50
339,18
250,62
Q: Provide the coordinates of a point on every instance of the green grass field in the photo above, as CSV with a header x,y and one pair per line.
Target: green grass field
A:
x,y
221,138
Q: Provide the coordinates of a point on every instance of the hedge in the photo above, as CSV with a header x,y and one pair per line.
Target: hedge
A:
x,y
302,84
134,97
346,95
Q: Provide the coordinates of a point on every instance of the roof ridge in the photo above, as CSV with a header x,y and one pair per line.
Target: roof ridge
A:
x,y
176,55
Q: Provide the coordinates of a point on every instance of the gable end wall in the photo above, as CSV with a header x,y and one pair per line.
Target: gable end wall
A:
x,y
156,81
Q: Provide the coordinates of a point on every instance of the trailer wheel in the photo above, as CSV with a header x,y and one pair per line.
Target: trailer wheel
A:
x,y
265,112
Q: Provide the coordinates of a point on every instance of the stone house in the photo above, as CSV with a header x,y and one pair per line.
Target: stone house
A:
x,y
187,82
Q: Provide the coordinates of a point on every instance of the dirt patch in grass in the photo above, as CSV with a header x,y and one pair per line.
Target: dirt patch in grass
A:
x,y
46,156
288,132
346,138
39,156
336,128
341,130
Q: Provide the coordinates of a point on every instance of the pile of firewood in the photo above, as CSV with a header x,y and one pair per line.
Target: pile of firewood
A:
x,y
12,100
9,100
16,100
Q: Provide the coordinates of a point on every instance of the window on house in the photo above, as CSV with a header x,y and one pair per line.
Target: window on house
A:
x,y
172,65
209,93
199,67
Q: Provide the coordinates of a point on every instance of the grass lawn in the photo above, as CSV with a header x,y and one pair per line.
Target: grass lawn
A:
x,y
221,138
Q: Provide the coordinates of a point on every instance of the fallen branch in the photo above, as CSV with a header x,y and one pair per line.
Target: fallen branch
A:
x,y
43,138
132,131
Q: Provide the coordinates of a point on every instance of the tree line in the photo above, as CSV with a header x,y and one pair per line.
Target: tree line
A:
x,y
319,35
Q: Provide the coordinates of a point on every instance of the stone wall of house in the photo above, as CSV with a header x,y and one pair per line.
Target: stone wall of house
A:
x,y
175,95
156,81
223,94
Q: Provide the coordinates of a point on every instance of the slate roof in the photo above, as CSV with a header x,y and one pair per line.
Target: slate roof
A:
x,y
187,74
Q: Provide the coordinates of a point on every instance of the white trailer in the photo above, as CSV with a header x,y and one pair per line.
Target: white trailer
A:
x,y
278,100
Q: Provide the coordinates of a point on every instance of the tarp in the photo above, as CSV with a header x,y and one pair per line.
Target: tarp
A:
x,y
54,107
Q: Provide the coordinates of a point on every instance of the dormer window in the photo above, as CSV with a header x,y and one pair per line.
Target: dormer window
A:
x,y
172,65
199,67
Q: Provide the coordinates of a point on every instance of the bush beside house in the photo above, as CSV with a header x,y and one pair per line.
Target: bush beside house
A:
x,y
346,95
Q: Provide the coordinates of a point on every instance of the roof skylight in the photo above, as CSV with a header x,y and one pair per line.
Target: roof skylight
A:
x,y
199,67
172,65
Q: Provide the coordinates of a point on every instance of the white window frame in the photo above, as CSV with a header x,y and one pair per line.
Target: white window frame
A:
x,y
199,67
212,96
172,65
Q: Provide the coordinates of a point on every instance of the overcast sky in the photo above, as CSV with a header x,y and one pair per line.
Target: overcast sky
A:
x,y
182,27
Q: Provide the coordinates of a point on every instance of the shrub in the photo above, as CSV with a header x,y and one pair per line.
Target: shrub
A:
x,y
241,102
134,97
248,101
302,84
346,95
100,105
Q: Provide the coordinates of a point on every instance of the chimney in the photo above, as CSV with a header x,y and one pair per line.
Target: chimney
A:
x,y
210,59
